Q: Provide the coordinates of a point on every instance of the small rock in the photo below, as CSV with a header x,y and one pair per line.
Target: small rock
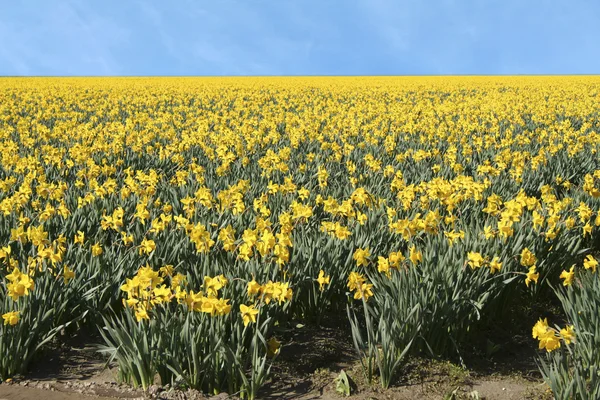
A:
x,y
154,389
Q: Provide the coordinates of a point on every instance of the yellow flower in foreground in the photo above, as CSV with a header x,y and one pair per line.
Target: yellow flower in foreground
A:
x,y
361,217
475,260
539,328
341,232
590,263
68,274
20,284
568,334
213,285
167,270
549,337
395,258
249,314
214,306
532,276
415,255
11,318
568,276
528,259
355,280
323,280
273,347
253,288
141,313
5,252
147,246
127,239
361,256
364,291
279,291
546,335
162,294
495,265
587,229
549,341
383,265
488,232
79,238
96,249
358,284
15,275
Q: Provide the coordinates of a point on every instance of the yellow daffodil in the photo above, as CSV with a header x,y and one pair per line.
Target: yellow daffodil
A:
x,y
528,259
323,280
475,260
11,318
590,263
568,276
96,249
361,256
248,313
531,276
68,274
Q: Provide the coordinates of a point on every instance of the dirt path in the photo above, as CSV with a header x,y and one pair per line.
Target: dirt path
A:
x,y
310,361
314,387
17,392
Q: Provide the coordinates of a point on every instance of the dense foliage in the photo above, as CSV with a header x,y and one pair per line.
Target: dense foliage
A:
x,y
185,218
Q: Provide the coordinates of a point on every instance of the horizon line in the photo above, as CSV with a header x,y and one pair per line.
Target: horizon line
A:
x,y
299,76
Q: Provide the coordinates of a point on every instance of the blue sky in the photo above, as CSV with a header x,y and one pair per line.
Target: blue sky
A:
x,y
299,37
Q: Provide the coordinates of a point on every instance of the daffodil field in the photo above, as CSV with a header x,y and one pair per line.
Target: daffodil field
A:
x,y
186,219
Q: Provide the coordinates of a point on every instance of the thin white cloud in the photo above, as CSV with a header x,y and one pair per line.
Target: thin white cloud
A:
x,y
68,38
280,37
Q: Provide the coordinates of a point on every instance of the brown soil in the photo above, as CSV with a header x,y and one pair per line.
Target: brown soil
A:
x,y
310,361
